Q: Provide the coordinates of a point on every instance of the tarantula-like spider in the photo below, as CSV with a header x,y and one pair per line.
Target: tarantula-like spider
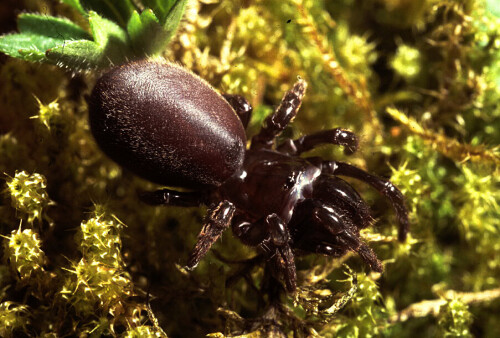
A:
x,y
278,201
272,198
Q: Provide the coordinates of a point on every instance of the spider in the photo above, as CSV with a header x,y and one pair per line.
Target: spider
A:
x,y
170,127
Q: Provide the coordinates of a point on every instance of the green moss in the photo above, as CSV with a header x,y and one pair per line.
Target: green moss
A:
x,y
365,316
28,194
418,81
12,317
23,251
454,319
142,331
99,278
406,62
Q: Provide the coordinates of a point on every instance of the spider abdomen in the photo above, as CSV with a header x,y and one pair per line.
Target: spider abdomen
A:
x,y
166,125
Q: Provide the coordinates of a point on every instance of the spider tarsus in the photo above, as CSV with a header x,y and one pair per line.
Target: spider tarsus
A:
x,y
241,106
282,116
369,256
218,219
384,187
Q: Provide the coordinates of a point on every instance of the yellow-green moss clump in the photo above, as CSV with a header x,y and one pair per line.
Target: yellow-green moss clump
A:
x,y
454,319
99,278
23,251
418,81
28,194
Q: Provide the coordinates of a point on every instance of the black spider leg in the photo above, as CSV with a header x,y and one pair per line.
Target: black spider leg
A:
x,y
277,122
271,235
333,190
282,259
385,187
346,234
327,229
337,136
217,220
175,198
241,106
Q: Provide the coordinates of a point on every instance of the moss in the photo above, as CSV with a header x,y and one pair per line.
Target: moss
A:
x,y
454,319
23,251
12,317
28,194
417,80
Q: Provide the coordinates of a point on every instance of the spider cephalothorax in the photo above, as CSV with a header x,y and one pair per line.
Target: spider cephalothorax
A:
x,y
171,127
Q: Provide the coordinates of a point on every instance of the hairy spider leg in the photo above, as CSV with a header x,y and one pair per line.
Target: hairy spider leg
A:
x,y
281,258
333,235
346,234
337,136
217,220
334,190
172,197
282,116
385,187
270,234
241,106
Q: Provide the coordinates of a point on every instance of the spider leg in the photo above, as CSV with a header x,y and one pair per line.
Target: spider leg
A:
x,y
251,234
217,220
329,250
172,197
333,234
363,250
241,106
385,187
271,235
282,260
337,136
333,190
277,122
354,243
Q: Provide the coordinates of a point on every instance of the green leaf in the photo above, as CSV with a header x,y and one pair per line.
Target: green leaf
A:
x,y
76,5
79,55
17,45
147,33
103,30
110,37
118,11
161,8
138,22
174,17
167,10
38,33
50,26
45,38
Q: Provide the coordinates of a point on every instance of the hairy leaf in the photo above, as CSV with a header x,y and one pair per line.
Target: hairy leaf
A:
x,y
118,31
76,4
173,17
161,8
39,33
111,38
50,26
78,55
147,33
118,11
